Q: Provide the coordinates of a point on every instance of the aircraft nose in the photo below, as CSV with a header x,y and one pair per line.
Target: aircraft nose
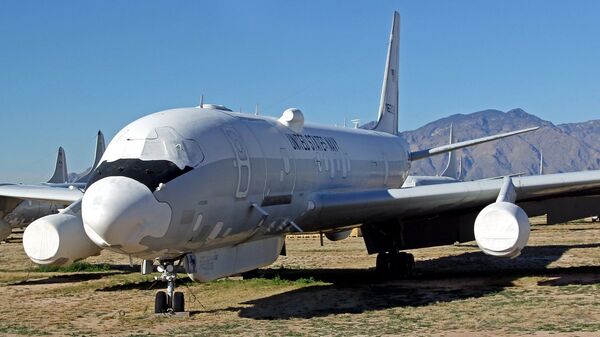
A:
x,y
118,212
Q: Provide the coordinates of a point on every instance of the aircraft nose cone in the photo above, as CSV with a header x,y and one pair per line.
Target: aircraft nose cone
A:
x,y
118,212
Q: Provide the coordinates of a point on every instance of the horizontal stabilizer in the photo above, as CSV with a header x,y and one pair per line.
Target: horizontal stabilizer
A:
x,y
421,154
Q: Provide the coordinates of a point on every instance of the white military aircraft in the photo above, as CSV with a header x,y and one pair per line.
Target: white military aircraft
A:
x,y
17,210
219,190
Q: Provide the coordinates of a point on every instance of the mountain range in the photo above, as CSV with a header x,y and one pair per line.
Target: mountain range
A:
x,y
565,147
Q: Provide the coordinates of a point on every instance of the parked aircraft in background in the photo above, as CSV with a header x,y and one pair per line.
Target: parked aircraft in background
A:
x,y
17,210
219,190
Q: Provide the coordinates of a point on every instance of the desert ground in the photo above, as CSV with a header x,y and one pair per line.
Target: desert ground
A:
x,y
552,289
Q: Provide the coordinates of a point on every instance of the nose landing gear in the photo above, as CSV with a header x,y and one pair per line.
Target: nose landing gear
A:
x,y
171,301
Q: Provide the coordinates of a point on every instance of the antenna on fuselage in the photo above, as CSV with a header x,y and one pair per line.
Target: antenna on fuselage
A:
x,y
201,101
356,122
256,110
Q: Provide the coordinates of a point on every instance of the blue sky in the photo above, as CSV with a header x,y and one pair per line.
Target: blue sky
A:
x,y
69,68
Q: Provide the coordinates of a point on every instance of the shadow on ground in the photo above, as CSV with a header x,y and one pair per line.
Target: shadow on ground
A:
x,y
147,285
445,279
37,278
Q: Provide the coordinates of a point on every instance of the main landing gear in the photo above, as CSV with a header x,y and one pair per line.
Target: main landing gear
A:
x,y
394,265
171,301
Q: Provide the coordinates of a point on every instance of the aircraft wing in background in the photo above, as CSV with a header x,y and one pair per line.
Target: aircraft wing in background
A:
x,y
21,204
41,192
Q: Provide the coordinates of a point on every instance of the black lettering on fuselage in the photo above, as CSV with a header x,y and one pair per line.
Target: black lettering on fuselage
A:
x,y
313,143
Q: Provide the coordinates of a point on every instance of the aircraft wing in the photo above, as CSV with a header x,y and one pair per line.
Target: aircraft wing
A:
x,y
563,197
40,192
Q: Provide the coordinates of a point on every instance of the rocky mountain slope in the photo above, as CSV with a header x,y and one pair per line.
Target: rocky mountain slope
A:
x,y
565,147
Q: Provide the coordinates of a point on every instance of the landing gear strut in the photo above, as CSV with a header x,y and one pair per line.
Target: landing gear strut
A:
x,y
172,301
394,265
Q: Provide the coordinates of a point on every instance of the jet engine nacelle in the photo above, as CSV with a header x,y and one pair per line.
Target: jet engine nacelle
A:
x,y
5,230
502,229
339,235
58,239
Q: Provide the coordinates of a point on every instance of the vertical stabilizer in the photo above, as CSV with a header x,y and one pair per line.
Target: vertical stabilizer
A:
x,y
387,121
100,147
451,169
60,175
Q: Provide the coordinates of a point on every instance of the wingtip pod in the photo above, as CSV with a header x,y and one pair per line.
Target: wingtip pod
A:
x,y
58,239
387,120
60,175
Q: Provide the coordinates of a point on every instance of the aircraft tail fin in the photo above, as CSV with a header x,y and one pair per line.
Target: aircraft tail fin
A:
x,y
451,171
61,174
100,147
387,120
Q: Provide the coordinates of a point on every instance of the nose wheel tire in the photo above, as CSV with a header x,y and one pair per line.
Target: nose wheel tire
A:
x,y
178,302
160,302
394,265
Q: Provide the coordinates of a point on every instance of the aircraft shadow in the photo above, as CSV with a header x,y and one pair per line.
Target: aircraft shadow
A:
x,y
146,285
67,278
37,278
444,279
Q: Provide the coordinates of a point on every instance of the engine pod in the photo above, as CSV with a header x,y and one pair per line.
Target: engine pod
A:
x,y
58,239
502,229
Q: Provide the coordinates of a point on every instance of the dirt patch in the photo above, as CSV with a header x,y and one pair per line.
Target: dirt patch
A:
x,y
552,289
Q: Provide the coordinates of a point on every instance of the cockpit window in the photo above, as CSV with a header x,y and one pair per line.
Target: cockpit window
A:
x,y
163,143
148,172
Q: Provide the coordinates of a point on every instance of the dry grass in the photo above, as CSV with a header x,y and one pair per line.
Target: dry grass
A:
x,y
552,289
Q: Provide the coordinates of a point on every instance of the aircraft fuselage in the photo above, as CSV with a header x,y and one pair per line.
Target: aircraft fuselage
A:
x,y
225,178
